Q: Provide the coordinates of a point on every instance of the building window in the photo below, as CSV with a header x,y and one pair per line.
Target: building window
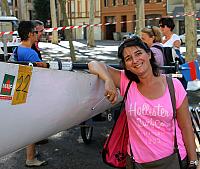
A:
x,y
29,1
125,2
197,1
158,1
105,3
114,2
147,1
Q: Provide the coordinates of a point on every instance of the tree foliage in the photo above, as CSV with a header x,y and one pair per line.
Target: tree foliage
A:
x,y
42,10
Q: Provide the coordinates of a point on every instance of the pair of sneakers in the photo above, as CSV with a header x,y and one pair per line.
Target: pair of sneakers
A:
x,y
35,163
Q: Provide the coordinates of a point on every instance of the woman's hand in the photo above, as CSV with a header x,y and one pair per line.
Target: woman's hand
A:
x,y
111,91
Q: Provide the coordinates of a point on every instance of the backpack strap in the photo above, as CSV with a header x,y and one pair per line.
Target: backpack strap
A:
x,y
158,47
172,94
173,100
16,54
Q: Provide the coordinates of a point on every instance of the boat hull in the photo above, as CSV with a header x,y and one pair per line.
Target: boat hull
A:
x,y
55,101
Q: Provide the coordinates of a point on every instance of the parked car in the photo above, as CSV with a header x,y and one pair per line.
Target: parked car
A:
x,y
182,37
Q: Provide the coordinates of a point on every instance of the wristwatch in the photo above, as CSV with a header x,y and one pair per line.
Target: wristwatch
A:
x,y
194,163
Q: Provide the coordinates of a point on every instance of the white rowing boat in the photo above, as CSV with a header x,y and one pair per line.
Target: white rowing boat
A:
x,y
37,102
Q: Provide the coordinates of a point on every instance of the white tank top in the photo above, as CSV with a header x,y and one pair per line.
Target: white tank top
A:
x,y
170,42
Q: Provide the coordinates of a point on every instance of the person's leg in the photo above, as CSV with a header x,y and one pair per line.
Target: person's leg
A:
x,y
31,160
30,152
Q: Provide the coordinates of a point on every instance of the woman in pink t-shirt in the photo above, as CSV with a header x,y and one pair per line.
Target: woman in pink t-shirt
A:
x,y
148,105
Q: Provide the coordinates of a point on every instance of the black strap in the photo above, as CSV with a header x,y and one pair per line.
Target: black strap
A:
x,y
173,100
125,95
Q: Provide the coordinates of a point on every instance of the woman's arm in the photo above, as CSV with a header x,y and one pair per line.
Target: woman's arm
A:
x,y
111,77
185,124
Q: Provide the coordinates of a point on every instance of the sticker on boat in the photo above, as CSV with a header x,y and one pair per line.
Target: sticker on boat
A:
x,y
6,87
22,85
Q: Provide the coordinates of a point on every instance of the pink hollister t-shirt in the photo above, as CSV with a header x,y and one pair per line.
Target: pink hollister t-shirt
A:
x,y
150,122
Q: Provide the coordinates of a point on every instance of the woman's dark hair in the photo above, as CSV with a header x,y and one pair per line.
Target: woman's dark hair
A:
x,y
25,27
136,41
168,22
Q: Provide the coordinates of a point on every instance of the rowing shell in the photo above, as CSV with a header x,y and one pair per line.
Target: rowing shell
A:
x,y
36,103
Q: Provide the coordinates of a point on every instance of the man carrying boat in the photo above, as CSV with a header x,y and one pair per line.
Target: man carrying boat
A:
x,y
24,53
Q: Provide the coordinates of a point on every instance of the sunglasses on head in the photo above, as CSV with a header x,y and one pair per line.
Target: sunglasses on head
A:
x,y
151,27
134,38
133,41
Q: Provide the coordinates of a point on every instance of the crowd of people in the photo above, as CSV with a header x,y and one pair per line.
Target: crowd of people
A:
x,y
149,113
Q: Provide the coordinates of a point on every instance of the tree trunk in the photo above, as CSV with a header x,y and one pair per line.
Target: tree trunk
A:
x,y
90,38
54,21
68,32
5,7
190,31
140,16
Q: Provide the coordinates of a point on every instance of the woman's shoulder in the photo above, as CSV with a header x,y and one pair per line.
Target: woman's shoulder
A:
x,y
157,47
158,44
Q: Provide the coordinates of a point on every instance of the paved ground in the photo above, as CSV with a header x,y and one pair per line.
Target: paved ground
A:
x,y
104,51
66,149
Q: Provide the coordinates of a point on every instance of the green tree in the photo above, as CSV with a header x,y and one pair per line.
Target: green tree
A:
x,y
42,10
68,32
90,39
190,30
